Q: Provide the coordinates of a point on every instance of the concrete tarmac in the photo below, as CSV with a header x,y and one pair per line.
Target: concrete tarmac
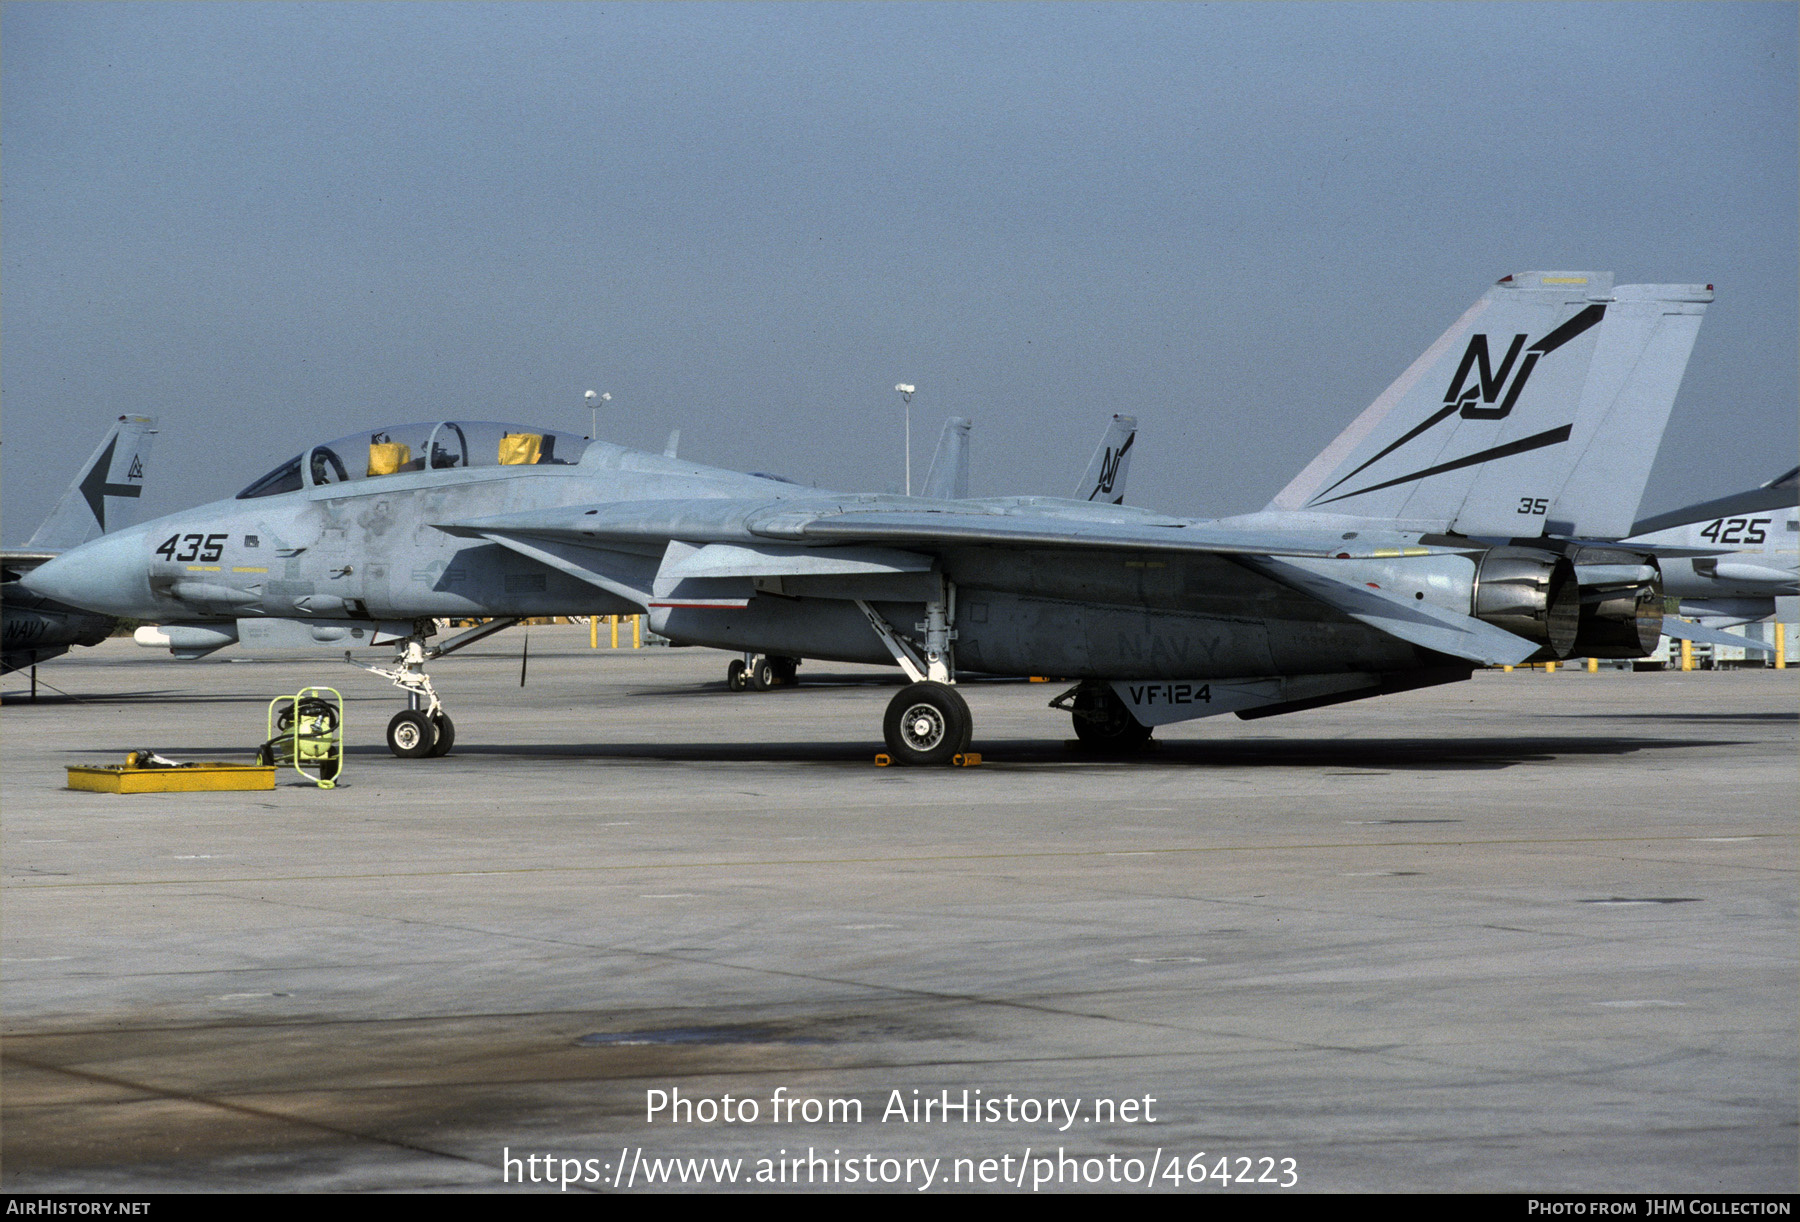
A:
x,y
1530,932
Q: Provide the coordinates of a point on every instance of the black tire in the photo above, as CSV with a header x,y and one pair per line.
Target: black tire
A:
x,y
443,735
927,723
410,734
787,671
1102,720
735,678
762,675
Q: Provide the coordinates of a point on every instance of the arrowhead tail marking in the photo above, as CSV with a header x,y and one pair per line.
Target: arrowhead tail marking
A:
x,y
95,489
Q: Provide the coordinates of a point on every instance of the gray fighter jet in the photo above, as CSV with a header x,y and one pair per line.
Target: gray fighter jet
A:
x,y
101,497
1755,577
1468,517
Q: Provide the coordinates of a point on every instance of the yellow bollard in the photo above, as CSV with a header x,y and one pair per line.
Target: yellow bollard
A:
x,y
1507,669
615,630
1687,655
1593,666
1780,646
593,632
1550,668
637,631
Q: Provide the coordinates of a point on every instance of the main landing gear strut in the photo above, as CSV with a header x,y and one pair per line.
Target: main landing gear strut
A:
x,y
1101,718
928,722
423,728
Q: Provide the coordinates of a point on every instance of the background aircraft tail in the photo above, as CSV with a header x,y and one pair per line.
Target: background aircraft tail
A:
x,y
1104,479
948,478
1538,411
103,496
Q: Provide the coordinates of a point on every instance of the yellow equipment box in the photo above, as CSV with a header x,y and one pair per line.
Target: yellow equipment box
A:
x,y
183,778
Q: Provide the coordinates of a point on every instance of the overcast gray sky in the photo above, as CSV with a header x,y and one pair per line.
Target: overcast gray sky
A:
x,y
273,224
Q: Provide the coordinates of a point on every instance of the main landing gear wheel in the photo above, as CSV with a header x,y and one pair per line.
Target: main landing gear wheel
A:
x,y
443,734
927,723
759,672
1102,720
411,735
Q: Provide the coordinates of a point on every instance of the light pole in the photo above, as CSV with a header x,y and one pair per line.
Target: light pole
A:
x,y
906,394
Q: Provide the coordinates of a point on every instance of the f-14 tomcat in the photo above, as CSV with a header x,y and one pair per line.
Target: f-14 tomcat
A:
x,y
1466,518
1754,574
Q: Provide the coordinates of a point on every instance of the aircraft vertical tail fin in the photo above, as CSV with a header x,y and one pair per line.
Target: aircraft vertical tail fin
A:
x,y
1104,479
948,478
1638,365
102,496
1478,426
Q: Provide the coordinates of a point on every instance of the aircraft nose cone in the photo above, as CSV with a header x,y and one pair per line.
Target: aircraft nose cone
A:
x,y
109,575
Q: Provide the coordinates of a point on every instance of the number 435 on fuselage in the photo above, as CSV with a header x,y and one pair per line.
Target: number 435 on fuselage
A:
x,y
1468,517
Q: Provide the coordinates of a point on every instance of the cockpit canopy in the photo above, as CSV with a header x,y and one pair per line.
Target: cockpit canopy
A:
x,y
444,445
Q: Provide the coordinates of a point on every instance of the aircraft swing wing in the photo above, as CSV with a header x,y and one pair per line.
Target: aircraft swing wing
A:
x,y
841,523
718,552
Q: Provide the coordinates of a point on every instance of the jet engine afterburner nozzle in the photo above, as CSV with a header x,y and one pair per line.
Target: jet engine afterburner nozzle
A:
x,y
1621,606
1532,594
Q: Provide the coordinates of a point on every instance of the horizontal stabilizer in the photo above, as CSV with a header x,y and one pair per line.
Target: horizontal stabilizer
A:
x,y
1687,630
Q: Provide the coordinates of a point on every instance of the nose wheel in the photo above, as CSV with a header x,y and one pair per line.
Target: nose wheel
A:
x,y
410,734
423,729
416,734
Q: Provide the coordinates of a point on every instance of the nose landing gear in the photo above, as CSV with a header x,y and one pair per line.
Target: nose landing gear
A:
x,y
415,734
423,729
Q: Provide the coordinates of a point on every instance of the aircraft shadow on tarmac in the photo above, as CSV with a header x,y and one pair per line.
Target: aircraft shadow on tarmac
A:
x,y
51,699
1412,754
1752,717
